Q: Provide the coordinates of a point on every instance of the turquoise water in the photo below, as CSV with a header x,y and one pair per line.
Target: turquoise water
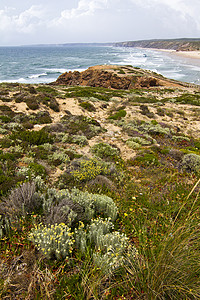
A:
x,y
45,64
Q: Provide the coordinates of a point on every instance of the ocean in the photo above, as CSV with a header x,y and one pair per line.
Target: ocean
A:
x,y
44,64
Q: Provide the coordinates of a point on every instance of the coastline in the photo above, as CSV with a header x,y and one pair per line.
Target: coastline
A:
x,y
189,57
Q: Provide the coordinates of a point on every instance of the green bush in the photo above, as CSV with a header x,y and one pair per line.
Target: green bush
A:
x,y
88,106
33,137
47,89
118,115
146,159
32,103
5,119
37,170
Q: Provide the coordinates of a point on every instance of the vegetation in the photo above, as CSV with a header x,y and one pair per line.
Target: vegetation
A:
x,y
99,207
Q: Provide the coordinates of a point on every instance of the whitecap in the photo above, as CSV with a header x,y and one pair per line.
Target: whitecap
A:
x,y
37,75
56,70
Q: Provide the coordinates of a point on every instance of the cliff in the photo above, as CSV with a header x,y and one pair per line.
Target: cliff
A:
x,y
172,44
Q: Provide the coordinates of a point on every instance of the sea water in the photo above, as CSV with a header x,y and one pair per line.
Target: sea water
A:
x,y
44,64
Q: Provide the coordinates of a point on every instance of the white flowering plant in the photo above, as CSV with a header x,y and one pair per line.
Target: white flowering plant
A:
x,y
55,241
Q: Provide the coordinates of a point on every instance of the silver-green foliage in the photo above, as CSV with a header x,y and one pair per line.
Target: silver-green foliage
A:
x,y
58,206
179,138
139,140
104,150
97,230
59,155
147,127
54,241
80,140
109,247
111,250
94,203
191,162
4,226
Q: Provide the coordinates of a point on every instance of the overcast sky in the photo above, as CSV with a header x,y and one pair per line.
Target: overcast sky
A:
x,y
66,21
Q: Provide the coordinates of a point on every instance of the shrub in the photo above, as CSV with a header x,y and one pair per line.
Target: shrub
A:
x,y
180,138
66,211
145,111
6,110
82,125
88,106
146,159
80,140
133,145
95,204
37,170
118,115
160,111
140,141
33,137
21,201
42,117
32,103
54,105
59,157
147,128
84,204
104,150
97,229
191,163
5,119
111,248
47,89
87,169
5,226
55,241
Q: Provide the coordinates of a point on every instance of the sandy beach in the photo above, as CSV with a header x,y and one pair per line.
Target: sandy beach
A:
x,y
187,54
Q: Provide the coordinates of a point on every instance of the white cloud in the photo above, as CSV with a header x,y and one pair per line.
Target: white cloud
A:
x,y
96,20
24,22
84,8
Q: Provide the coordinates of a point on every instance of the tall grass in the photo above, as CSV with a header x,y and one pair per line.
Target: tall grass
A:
x,y
170,269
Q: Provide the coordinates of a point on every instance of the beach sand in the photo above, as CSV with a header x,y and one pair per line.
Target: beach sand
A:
x,y
189,57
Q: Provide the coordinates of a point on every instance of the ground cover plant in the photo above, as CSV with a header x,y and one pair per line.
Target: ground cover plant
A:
x,y
93,207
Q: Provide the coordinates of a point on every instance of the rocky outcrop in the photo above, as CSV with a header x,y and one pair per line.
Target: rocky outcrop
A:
x,y
115,77
94,78
112,77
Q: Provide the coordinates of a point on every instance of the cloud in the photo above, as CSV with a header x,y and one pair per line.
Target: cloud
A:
x,y
178,16
24,22
98,20
84,8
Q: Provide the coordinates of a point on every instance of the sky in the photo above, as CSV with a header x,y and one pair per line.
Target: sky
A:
x,y
26,22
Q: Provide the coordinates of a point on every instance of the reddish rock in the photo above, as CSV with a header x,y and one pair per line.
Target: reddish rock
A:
x,y
113,77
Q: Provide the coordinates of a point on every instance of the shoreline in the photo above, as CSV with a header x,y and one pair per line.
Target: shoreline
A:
x,y
189,57
186,54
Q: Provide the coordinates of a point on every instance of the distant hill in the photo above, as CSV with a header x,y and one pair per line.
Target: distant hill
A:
x,y
173,44
71,45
